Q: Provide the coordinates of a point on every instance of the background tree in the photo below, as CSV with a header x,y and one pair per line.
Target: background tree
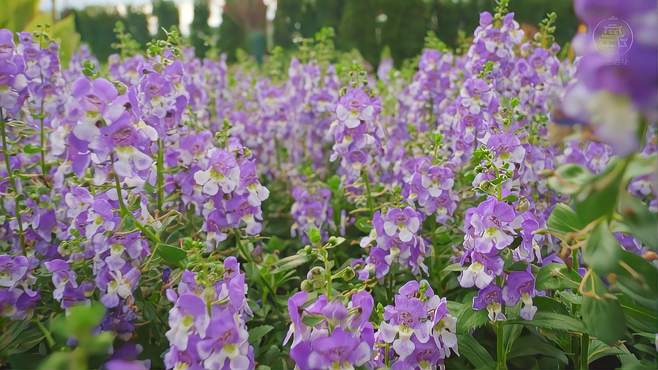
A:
x,y
358,28
199,29
137,26
231,37
404,37
96,27
167,14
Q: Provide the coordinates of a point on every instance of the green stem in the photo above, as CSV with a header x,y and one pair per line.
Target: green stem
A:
x,y
46,333
366,180
123,210
574,260
584,352
238,240
12,180
42,141
160,175
501,362
324,254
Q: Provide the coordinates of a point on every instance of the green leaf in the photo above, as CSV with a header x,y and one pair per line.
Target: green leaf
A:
x,y
79,321
363,224
570,297
58,360
602,252
547,304
564,220
510,335
557,276
312,320
289,263
31,149
173,256
474,352
314,235
551,320
598,349
641,165
469,320
637,278
334,183
639,318
17,337
603,317
533,345
599,197
257,333
642,223
569,178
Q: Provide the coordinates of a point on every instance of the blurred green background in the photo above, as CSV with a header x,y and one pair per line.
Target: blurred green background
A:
x,y
256,26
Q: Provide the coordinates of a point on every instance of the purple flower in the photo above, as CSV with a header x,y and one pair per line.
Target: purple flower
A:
x,y
490,226
223,173
397,239
520,286
418,321
188,317
13,270
226,343
343,338
491,298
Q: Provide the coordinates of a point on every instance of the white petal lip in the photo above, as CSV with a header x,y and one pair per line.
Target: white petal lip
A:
x,y
403,347
202,177
210,188
86,131
405,234
141,160
482,280
388,331
390,228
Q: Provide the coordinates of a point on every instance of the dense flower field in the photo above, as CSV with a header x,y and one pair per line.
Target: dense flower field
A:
x,y
489,207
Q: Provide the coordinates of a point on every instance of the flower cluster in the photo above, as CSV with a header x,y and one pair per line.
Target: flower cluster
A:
x,y
396,237
207,325
417,331
356,133
231,194
490,228
430,187
329,334
17,298
311,208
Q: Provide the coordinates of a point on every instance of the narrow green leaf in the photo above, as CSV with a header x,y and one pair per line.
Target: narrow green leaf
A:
x,y
598,349
533,345
469,320
256,334
474,352
289,263
312,320
363,224
551,320
172,255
